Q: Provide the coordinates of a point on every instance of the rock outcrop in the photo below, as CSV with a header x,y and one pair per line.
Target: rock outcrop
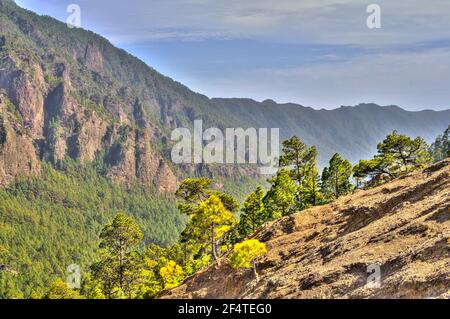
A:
x,y
17,153
399,231
23,81
59,119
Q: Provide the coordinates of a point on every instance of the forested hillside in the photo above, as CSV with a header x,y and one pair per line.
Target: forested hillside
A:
x,y
52,221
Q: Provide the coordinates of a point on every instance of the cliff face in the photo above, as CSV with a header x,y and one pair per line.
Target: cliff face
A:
x,y
70,105
17,153
401,228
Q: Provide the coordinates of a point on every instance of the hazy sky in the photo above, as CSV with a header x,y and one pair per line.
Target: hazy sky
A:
x,y
317,53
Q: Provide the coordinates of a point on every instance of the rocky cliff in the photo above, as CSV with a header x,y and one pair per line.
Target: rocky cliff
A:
x,y
68,104
17,153
401,228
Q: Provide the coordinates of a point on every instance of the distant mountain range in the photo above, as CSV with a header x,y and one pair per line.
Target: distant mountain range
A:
x,y
71,93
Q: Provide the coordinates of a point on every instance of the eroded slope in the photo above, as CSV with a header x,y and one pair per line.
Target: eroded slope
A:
x,y
325,252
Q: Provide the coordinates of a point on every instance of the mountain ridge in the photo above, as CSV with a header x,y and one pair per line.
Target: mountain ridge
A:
x,y
80,97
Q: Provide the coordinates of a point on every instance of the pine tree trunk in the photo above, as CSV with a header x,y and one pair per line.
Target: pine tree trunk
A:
x,y
213,242
336,187
185,255
121,267
254,271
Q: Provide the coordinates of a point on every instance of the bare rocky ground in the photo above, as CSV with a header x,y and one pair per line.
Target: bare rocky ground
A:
x,y
326,252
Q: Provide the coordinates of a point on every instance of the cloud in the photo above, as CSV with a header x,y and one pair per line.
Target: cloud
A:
x,y
340,22
416,80
314,52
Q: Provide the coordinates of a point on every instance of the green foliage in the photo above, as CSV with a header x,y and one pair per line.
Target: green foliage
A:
x,y
126,271
335,180
309,190
280,200
91,288
303,171
117,269
53,81
171,274
210,222
13,111
253,214
245,253
192,191
406,153
8,287
397,155
440,149
60,290
52,221
211,213
295,154
120,236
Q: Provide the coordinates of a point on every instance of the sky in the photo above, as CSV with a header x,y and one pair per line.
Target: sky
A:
x,y
317,53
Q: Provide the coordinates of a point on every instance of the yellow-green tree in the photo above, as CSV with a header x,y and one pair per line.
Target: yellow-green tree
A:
x,y
245,253
171,274
91,288
60,290
210,222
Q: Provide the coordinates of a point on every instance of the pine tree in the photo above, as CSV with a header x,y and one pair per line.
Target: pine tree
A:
x,y
397,155
253,214
310,187
171,274
294,151
191,192
210,222
280,199
336,178
301,162
404,152
60,290
117,269
440,149
245,253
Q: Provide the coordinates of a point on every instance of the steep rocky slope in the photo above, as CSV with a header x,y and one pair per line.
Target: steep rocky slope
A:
x,y
326,252
80,97
17,154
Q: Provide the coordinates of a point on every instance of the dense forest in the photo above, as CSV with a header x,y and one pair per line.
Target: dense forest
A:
x,y
51,221
132,244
